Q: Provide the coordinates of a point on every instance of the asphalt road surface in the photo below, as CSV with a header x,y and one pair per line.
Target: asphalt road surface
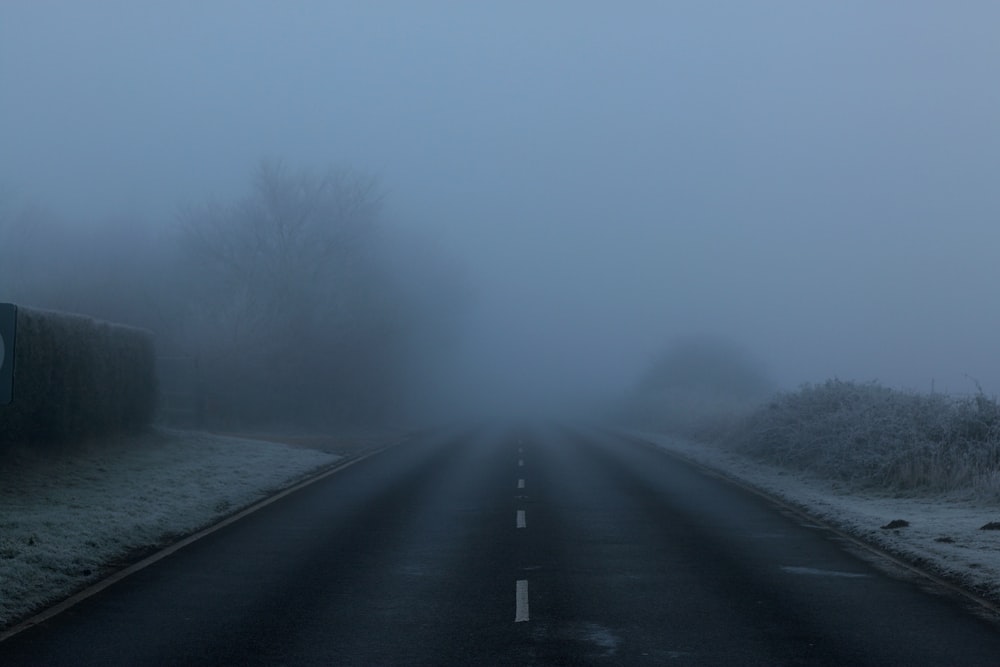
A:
x,y
516,547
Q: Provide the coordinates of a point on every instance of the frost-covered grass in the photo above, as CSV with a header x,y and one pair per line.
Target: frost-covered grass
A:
x,y
874,437
69,517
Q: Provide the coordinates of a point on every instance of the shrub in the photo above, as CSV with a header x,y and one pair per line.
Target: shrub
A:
x,y
876,437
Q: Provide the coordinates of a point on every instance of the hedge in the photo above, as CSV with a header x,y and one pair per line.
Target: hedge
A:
x,y
77,377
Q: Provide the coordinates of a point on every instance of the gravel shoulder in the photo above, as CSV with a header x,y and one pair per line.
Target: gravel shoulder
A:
x,y
69,518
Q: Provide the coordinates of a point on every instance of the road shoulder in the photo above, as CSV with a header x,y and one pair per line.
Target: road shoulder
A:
x,y
943,535
75,517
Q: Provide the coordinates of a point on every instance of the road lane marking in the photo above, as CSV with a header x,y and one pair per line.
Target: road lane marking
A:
x,y
521,602
520,483
521,523
520,450
520,463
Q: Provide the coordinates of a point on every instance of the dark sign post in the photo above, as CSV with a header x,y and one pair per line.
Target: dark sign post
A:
x,y
8,328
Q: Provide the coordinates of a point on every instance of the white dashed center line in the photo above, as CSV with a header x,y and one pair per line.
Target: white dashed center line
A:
x,y
521,603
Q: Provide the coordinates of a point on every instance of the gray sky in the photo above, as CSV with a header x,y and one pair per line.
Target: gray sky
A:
x,y
816,180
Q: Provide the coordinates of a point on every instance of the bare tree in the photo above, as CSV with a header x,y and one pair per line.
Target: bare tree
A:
x,y
294,306
292,303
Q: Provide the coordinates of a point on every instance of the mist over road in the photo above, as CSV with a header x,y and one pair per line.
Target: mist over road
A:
x,y
514,546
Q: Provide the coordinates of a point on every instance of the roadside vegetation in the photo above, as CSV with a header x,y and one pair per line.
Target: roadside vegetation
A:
x,y
297,304
861,434
877,438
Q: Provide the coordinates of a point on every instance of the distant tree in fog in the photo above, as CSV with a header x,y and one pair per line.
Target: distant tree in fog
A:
x,y
696,384
706,366
108,268
297,303
18,230
284,252
293,306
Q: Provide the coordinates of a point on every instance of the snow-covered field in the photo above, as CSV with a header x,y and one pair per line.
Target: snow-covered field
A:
x,y
944,534
69,518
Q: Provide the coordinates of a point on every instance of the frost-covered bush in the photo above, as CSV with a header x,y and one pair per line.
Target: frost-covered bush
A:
x,y
76,377
874,436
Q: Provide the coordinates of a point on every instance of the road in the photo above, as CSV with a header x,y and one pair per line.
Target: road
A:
x,y
515,547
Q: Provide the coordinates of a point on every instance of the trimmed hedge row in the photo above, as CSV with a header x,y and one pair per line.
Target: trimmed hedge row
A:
x,y
76,377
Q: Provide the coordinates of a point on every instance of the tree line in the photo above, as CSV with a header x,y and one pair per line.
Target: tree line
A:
x,y
297,303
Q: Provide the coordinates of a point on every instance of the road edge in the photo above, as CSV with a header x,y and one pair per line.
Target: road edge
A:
x,y
900,560
90,590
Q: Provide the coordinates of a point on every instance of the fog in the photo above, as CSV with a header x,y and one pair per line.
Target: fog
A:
x,y
813,181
